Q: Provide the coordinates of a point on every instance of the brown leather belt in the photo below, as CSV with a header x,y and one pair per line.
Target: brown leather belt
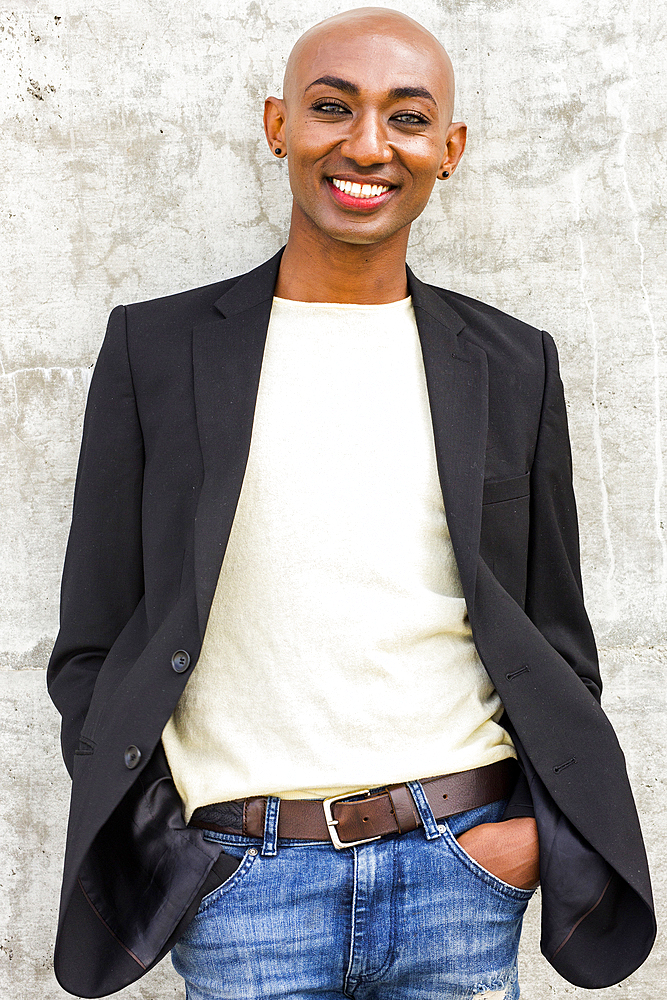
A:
x,y
349,820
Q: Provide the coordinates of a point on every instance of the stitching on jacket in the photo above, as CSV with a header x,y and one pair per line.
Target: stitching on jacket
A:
x,y
525,669
567,763
86,746
492,503
586,914
114,936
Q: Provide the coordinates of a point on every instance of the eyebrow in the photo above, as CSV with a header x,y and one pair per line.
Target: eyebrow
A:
x,y
395,94
338,83
400,93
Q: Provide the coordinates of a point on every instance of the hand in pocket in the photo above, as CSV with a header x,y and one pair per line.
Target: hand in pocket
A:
x,y
509,850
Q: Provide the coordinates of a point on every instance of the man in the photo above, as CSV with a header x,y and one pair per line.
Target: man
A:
x,y
336,503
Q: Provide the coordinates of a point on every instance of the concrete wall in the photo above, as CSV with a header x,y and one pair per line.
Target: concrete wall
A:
x,y
134,164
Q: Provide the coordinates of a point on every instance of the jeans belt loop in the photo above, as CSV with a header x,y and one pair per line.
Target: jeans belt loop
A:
x,y
269,847
424,809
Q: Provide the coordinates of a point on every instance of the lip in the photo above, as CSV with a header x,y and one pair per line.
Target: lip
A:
x,y
360,204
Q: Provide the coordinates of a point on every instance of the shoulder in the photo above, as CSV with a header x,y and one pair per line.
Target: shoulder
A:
x,y
208,303
515,350
488,325
186,308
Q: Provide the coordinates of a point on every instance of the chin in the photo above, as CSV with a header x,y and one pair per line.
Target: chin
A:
x,y
363,233
360,235
359,239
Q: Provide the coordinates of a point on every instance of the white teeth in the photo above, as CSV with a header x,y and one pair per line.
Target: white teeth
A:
x,y
359,190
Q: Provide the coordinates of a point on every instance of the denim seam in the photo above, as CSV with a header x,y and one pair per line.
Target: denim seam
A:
x,y
383,968
230,883
431,830
269,847
242,840
353,926
488,878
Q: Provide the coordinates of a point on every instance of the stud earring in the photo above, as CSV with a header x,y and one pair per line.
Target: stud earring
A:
x,y
445,174
277,150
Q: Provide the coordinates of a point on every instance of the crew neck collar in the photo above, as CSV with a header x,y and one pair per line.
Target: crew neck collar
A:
x,y
299,304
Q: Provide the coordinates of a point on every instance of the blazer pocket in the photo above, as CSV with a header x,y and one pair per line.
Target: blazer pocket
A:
x,y
86,746
505,530
500,490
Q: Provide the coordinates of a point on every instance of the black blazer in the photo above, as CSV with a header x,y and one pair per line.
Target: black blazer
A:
x,y
165,444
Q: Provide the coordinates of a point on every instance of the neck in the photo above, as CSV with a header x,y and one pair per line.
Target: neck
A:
x,y
318,268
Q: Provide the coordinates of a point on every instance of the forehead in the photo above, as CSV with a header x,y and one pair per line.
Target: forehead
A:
x,y
376,61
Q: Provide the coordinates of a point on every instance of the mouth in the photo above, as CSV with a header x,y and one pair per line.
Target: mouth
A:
x,y
363,197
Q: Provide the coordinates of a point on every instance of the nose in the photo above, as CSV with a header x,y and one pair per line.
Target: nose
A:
x,y
366,143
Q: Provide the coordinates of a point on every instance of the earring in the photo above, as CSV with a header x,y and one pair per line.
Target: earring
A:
x,y
445,174
277,150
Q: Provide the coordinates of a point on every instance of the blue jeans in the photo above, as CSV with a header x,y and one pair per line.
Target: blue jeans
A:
x,y
409,916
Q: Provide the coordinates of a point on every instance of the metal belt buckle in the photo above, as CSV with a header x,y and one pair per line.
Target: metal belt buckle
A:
x,y
333,823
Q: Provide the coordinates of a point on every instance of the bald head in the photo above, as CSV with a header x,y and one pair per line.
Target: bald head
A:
x,y
376,33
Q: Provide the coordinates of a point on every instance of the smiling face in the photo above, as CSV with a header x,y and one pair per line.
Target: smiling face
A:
x,y
366,125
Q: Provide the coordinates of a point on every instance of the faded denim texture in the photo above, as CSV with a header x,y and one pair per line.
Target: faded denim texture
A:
x,y
402,917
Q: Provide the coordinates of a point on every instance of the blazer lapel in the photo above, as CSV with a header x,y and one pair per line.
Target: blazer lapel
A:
x,y
227,361
457,380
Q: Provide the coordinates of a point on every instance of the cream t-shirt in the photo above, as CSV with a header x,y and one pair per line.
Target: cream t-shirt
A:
x,y
338,653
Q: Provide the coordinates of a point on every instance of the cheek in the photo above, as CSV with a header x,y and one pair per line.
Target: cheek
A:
x,y
423,180
306,142
425,163
424,154
299,166
295,167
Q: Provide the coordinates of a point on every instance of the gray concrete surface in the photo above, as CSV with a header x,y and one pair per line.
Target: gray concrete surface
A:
x,y
133,164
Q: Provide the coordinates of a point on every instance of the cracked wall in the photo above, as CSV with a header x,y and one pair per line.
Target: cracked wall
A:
x,y
134,165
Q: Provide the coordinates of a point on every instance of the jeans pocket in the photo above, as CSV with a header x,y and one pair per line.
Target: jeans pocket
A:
x,y
475,868
247,861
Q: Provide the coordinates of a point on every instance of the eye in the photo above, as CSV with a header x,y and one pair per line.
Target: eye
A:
x,y
330,107
410,118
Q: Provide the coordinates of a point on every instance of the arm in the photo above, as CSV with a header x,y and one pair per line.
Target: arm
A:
x,y
103,575
554,598
554,602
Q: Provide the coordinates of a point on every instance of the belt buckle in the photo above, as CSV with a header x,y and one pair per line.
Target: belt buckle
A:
x,y
333,823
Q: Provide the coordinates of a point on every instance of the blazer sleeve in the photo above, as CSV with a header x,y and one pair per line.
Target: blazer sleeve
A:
x,y
554,596
554,593
102,580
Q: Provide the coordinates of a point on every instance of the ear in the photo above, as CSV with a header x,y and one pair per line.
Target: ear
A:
x,y
274,124
456,143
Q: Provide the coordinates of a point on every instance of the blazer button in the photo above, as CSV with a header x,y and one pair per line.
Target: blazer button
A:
x,y
180,661
132,757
